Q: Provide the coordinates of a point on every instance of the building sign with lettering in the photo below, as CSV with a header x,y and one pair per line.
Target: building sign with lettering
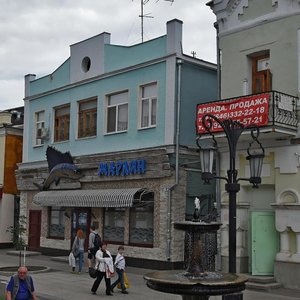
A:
x,y
122,168
247,110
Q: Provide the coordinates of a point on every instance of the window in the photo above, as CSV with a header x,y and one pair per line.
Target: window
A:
x,y
141,222
114,225
56,222
148,103
86,64
261,75
87,118
62,123
39,127
117,112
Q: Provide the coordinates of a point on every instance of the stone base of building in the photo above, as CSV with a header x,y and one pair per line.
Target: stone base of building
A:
x,y
6,245
53,252
2,288
241,264
288,274
130,261
154,264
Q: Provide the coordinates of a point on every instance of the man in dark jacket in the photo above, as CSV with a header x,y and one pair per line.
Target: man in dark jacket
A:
x,y
92,249
20,286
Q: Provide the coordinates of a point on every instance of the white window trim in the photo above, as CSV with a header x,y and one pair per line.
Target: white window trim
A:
x,y
117,112
36,123
140,99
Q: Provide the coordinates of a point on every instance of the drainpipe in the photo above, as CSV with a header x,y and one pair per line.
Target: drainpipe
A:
x,y
169,220
179,62
216,25
218,184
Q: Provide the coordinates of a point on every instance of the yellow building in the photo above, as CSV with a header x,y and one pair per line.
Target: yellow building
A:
x,y
11,137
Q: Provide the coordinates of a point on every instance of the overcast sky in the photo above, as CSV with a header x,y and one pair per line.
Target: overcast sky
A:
x,y
35,35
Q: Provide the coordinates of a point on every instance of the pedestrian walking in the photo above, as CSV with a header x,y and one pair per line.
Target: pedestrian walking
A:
x,y
104,266
120,269
20,286
94,245
78,249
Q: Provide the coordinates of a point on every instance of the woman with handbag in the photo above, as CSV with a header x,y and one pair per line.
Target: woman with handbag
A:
x,y
78,249
104,265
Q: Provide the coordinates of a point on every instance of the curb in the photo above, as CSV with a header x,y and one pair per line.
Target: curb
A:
x,y
18,253
10,273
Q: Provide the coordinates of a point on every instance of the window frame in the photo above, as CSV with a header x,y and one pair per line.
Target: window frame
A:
x,y
92,119
62,118
117,109
263,77
147,202
151,100
39,125
114,209
61,217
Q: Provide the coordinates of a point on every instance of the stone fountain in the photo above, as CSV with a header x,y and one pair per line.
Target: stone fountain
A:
x,y
200,280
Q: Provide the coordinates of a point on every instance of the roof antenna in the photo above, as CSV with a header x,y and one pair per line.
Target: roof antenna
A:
x,y
142,15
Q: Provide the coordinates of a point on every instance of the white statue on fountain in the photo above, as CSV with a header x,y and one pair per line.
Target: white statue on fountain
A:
x,y
197,210
197,203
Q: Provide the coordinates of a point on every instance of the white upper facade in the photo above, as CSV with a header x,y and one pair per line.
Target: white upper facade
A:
x,y
237,15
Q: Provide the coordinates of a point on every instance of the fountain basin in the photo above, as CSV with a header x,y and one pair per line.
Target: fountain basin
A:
x,y
213,283
200,280
11,270
192,226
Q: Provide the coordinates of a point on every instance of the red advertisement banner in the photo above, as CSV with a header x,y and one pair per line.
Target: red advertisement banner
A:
x,y
247,110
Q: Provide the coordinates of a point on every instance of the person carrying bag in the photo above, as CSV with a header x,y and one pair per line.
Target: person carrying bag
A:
x,y
103,261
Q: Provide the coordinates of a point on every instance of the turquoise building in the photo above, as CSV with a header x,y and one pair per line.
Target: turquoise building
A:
x,y
127,115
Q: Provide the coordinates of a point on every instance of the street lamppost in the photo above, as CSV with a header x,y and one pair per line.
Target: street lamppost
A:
x,y
233,130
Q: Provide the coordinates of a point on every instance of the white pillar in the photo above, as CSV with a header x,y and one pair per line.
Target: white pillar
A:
x,y
298,243
296,256
284,242
284,247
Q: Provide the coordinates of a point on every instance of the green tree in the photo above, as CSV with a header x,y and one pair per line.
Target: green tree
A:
x,y
18,232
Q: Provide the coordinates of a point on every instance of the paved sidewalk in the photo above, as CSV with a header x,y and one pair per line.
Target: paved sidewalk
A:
x,y
60,284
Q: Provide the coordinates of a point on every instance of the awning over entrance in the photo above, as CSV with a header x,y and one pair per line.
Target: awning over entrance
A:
x,y
90,198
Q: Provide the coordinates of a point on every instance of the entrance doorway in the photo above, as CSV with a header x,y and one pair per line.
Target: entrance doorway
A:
x,y
264,238
81,219
34,230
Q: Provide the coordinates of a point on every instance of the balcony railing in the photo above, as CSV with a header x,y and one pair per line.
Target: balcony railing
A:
x,y
283,110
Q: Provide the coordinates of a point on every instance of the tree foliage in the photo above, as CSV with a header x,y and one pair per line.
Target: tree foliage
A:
x,y
18,232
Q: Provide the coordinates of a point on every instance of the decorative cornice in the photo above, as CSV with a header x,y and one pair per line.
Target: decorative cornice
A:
x,y
234,4
228,12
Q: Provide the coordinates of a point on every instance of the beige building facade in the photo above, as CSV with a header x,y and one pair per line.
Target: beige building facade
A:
x,y
258,47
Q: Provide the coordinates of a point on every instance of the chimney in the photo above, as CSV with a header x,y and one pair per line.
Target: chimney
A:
x,y
174,36
28,79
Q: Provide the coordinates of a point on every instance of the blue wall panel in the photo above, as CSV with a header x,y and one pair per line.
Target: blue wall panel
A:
x,y
132,139
198,85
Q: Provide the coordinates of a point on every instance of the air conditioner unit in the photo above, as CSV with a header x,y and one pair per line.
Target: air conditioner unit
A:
x,y
39,133
45,134
42,133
